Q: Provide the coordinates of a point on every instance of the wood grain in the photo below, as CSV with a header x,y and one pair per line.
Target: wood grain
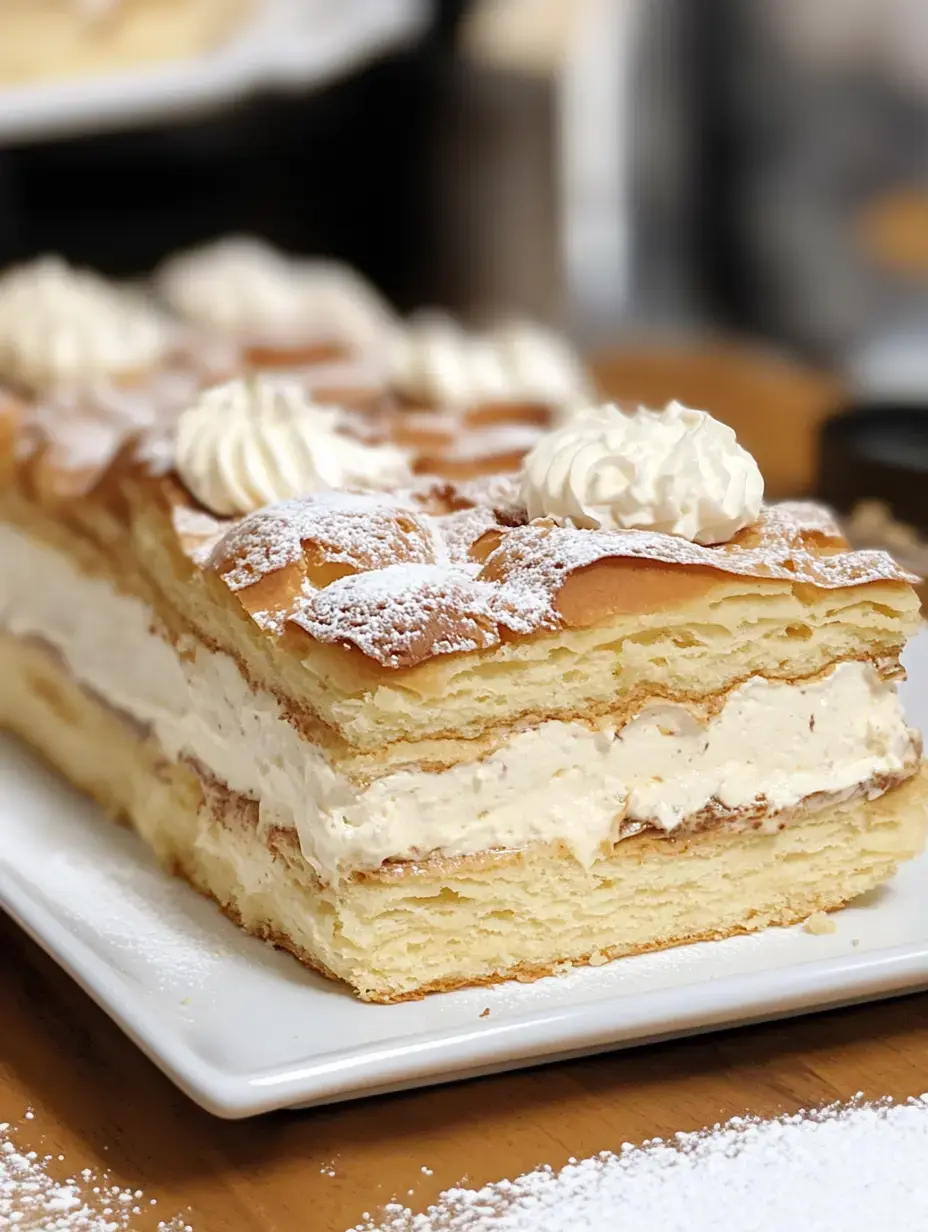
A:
x,y
101,1104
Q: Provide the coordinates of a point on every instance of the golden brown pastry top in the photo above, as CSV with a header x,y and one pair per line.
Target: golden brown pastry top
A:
x,y
76,437
450,566
446,569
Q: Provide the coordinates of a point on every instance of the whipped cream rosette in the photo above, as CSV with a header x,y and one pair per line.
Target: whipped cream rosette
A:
x,y
678,471
252,442
60,325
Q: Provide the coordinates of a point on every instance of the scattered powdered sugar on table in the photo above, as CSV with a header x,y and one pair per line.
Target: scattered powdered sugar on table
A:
x,y
32,1200
858,1167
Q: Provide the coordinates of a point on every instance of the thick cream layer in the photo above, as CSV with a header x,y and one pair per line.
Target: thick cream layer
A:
x,y
557,781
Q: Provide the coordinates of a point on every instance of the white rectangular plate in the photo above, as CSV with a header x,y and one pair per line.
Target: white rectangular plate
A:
x,y
243,1029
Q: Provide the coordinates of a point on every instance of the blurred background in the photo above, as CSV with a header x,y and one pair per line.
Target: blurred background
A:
x,y
723,202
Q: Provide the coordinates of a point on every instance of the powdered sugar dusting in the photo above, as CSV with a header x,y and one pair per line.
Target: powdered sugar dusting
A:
x,y
354,528
540,556
858,1168
402,614
197,531
399,616
32,1199
800,519
500,492
82,428
461,530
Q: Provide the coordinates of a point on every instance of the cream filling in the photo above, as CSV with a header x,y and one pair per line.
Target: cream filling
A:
x,y
771,742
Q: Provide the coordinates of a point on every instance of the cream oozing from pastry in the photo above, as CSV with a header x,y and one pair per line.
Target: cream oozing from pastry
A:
x,y
434,361
771,745
678,471
60,325
254,441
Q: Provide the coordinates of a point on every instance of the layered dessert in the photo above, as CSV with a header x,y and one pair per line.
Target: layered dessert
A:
x,y
425,732
41,39
284,312
86,365
464,402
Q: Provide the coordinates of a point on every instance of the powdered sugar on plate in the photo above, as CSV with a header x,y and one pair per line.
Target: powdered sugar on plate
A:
x,y
859,1167
32,1200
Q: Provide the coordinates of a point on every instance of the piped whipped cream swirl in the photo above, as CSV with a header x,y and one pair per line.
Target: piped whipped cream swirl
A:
x,y
436,362
249,443
60,325
241,286
237,285
678,471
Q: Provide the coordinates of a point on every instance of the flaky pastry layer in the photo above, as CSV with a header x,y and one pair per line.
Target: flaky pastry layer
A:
x,y
697,633
403,932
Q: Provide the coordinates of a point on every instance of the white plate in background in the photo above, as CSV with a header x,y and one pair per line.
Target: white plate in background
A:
x,y
287,44
243,1029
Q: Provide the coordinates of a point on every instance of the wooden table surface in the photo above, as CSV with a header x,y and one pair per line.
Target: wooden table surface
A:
x,y
101,1104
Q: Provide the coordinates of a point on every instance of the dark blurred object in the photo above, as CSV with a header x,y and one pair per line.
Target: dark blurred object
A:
x,y
874,472
878,454
496,207
343,171
570,177
814,167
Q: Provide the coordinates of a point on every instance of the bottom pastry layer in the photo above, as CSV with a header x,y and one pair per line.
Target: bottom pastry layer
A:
x,y
407,929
